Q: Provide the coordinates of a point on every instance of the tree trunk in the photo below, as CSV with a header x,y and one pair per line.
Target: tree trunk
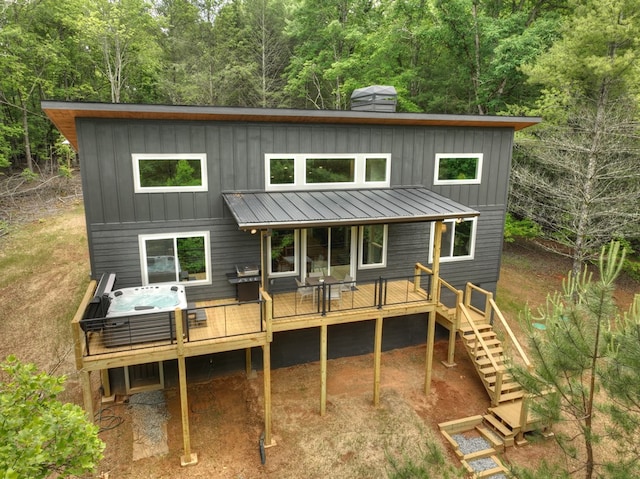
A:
x,y
25,130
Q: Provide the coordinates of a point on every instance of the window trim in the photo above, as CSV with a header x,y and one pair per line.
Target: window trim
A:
x,y
138,188
474,181
296,257
383,264
143,238
299,182
451,259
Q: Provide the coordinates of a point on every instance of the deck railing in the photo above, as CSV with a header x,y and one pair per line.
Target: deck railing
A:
x,y
476,295
141,331
350,295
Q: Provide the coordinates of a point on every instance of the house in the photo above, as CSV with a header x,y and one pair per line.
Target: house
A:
x,y
282,235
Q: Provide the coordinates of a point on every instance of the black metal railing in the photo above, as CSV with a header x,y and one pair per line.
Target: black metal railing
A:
x,y
140,331
328,297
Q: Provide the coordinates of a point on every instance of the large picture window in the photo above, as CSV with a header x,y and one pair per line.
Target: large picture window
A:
x,y
458,240
171,258
161,173
319,171
373,246
458,168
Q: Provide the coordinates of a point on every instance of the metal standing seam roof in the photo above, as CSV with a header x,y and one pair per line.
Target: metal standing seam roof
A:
x,y
297,209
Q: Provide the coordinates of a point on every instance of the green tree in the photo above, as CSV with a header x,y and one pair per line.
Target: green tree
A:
x,y
39,435
570,359
577,175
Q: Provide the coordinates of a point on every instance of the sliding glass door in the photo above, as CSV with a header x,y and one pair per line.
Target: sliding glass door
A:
x,y
330,251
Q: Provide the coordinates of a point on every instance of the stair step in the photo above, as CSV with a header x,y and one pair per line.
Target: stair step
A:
x,y
466,328
479,454
489,342
490,370
493,471
511,396
498,426
484,361
496,442
506,386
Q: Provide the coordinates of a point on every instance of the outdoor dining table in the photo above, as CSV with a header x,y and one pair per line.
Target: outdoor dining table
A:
x,y
318,280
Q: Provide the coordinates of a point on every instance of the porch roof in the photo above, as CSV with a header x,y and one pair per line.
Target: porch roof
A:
x,y
300,209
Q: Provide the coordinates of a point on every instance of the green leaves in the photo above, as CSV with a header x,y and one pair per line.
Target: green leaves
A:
x,y
40,435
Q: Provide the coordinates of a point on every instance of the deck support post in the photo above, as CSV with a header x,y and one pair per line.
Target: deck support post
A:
x,y
323,369
435,296
87,396
247,361
266,375
106,384
377,353
188,458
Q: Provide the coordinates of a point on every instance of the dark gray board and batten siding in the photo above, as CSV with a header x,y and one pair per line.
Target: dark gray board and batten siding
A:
x,y
116,215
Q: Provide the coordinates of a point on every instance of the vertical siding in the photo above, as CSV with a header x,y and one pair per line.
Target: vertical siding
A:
x,y
235,161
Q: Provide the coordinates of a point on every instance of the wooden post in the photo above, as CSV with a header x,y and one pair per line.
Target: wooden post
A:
x,y
377,354
266,374
435,296
106,384
189,457
323,369
247,361
87,397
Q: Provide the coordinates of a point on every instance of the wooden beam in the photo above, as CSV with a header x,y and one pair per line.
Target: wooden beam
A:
x,y
435,296
323,369
377,356
188,458
266,374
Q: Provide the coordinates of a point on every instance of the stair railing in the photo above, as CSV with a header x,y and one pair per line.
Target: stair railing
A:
x,y
491,311
495,397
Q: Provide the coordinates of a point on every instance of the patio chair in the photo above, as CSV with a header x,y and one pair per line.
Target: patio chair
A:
x,y
335,294
316,274
304,291
347,284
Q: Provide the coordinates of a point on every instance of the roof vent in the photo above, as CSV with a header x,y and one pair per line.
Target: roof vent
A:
x,y
374,98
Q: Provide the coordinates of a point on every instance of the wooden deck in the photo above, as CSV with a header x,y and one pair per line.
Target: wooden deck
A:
x,y
225,324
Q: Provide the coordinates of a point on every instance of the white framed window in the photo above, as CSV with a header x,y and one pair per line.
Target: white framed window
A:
x,y
458,240
373,246
177,257
169,172
458,168
322,170
284,253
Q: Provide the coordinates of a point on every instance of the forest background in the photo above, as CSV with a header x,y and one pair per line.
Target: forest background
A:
x,y
575,177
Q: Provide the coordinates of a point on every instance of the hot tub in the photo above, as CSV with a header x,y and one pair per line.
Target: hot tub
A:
x,y
146,299
143,314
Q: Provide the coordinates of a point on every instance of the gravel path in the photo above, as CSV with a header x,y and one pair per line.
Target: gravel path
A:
x,y
471,444
149,418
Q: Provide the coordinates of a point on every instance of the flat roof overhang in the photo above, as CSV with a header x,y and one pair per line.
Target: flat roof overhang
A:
x,y
303,209
64,115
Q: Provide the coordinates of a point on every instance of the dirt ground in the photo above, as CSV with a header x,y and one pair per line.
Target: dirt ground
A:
x,y
353,439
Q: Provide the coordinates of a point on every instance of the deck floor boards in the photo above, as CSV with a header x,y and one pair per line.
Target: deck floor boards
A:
x,y
227,318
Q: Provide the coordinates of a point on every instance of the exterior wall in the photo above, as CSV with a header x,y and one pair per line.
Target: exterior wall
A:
x,y
235,161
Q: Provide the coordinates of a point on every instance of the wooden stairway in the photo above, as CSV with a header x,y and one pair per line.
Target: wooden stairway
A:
x,y
487,354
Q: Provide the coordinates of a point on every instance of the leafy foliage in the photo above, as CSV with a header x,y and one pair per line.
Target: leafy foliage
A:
x,y
582,353
40,435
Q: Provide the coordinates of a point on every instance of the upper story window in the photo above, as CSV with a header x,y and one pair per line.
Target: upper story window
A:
x,y
458,168
458,240
322,171
169,172
373,246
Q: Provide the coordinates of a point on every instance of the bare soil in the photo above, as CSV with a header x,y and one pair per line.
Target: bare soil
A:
x,y
353,439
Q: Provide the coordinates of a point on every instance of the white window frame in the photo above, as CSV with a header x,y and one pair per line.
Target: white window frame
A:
x,y
296,257
142,239
361,264
473,181
300,183
445,257
138,188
